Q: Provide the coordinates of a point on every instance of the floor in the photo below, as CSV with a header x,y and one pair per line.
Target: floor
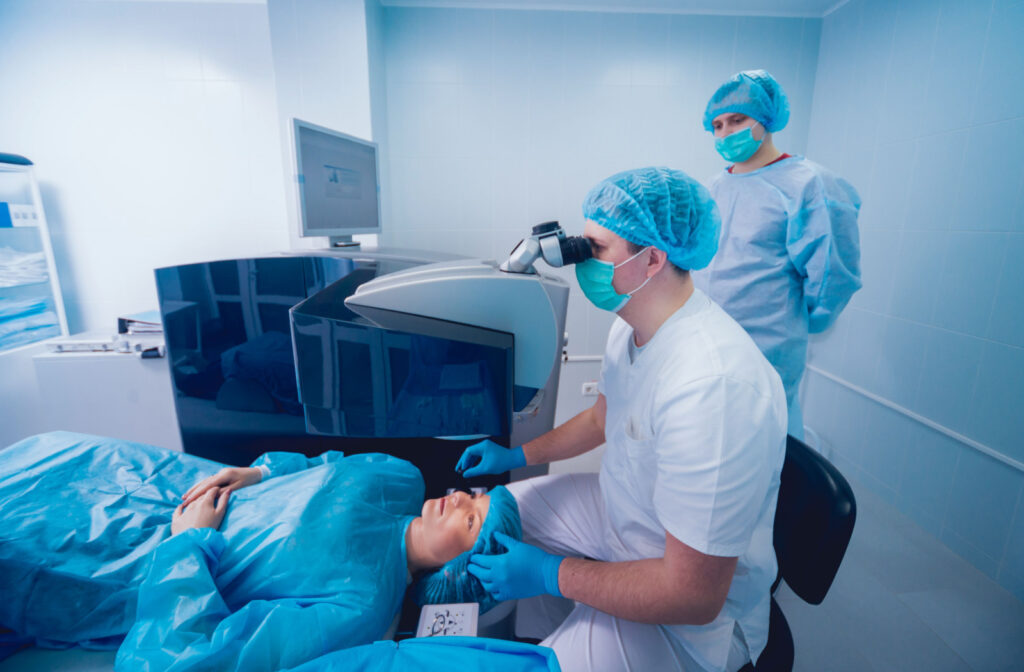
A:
x,y
904,602
901,602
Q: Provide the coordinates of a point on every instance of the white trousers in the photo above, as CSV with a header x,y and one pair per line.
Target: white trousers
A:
x,y
564,514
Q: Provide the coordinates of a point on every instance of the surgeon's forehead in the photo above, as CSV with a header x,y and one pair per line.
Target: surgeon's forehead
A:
x,y
596,233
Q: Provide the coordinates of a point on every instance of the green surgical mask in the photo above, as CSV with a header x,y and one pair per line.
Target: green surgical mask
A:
x,y
739,146
595,278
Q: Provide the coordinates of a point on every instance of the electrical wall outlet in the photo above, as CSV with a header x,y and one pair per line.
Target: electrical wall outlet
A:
x,y
590,389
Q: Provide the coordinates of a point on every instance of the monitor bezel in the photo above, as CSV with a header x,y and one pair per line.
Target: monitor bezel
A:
x,y
298,124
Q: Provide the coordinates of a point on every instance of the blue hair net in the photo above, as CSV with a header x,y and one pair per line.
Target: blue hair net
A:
x,y
660,207
452,582
754,93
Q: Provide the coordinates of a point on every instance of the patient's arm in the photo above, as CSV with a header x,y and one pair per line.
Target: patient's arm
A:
x,y
267,465
183,622
282,463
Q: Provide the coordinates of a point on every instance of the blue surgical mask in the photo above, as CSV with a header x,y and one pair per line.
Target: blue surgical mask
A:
x,y
739,146
595,278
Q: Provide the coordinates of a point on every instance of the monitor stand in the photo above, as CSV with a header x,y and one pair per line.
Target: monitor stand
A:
x,y
342,241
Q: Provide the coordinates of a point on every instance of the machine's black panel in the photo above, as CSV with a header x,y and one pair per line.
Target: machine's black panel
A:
x,y
237,393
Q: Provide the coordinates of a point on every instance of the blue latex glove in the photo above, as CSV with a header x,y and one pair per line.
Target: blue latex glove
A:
x,y
524,571
487,457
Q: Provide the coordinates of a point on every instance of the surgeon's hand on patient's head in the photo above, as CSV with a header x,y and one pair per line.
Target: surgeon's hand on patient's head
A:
x,y
522,571
206,511
228,478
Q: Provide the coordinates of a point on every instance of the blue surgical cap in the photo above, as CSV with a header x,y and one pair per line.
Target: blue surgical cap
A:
x,y
754,93
660,207
452,582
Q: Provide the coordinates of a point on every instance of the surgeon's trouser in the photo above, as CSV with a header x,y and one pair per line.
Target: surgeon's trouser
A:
x,y
564,514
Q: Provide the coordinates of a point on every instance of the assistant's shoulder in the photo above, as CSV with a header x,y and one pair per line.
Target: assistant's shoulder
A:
x,y
816,182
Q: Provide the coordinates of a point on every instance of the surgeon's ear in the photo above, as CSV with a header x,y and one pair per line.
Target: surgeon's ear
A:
x,y
656,261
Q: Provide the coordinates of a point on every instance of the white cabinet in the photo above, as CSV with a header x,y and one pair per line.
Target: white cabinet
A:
x,y
109,394
31,308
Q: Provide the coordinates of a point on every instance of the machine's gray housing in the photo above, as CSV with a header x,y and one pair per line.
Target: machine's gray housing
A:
x,y
532,307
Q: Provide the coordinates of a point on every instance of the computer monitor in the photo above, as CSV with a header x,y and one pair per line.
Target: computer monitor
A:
x,y
338,183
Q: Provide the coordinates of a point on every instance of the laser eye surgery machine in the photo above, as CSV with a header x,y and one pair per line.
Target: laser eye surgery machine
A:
x,y
410,353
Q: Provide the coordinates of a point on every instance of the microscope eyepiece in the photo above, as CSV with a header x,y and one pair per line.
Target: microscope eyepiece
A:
x,y
547,241
575,249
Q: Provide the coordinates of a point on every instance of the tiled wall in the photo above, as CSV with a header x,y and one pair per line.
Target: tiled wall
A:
x,y
376,66
322,75
919,104
498,120
154,130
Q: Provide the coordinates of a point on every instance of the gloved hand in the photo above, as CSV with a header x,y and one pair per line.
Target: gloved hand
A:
x,y
524,571
493,459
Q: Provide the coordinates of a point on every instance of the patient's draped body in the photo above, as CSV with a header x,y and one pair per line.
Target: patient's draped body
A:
x,y
81,518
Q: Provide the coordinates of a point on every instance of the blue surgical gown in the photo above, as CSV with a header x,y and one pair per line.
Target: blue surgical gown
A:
x,y
788,260
311,560
439,654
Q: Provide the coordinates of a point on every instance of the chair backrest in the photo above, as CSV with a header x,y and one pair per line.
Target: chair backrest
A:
x,y
813,521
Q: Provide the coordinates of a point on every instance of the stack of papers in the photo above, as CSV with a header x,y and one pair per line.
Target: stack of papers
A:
x,y
140,323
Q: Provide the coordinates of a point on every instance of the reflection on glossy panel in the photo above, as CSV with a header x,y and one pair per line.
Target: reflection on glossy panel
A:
x,y
426,378
232,354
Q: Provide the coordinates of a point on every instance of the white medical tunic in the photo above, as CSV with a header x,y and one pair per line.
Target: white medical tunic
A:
x,y
788,259
695,435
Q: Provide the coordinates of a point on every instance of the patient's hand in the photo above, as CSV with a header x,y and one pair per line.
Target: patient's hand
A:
x,y
228,479
207,511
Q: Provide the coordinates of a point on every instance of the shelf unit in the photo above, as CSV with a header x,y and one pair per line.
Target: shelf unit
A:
x,y
31,305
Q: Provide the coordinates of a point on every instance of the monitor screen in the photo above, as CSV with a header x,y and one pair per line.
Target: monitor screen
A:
x,y
337,182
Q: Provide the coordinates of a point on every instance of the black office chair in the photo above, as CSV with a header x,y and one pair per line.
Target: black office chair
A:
x,y
813,525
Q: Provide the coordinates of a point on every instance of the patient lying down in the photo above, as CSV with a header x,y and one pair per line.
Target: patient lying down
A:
x,y
247,570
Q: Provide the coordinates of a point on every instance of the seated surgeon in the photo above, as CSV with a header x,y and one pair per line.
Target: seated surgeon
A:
x,y
311,555
789,259
667,552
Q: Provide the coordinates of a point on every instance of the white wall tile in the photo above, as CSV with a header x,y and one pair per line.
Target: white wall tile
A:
x,y
948,373
1007,322
973,260
995,417
1003,61
916,275
989,191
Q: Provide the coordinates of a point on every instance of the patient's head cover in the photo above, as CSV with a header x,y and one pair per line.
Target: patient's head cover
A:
x,y
452,583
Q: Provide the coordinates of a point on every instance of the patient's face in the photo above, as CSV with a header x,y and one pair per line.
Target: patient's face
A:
x,y
451,524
